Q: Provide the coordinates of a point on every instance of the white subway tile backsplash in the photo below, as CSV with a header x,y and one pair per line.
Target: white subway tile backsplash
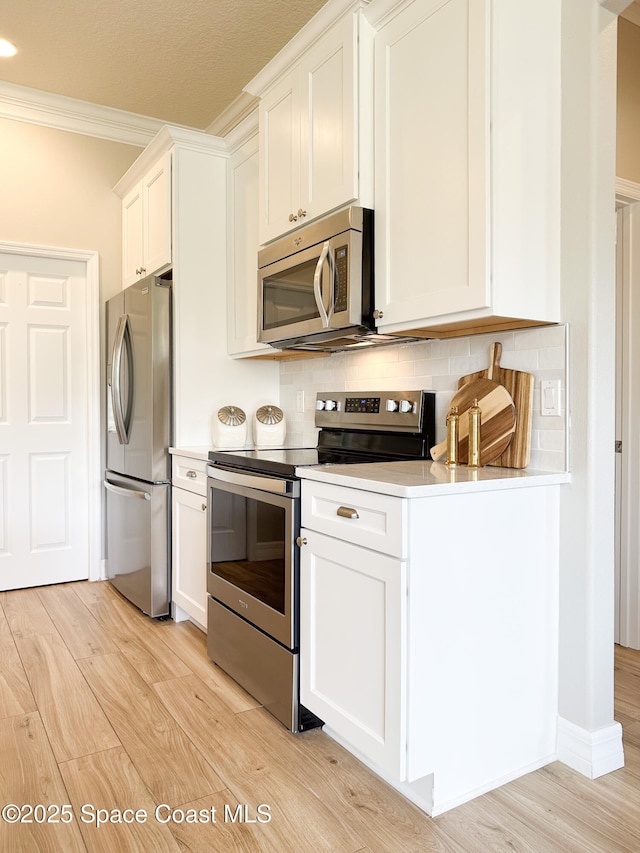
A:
x,y
551,358
435,365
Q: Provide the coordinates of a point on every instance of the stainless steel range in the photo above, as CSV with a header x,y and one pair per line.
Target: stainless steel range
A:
x,y
254,521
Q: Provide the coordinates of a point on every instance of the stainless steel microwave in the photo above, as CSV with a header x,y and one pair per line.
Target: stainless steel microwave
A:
x,y
315,286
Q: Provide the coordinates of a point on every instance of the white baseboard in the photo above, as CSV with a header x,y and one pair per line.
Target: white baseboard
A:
x,y
591,753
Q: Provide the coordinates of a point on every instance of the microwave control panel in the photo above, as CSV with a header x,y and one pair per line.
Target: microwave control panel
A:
x,y
342,278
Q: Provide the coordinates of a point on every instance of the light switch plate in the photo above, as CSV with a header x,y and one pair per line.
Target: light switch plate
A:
x,y
550,398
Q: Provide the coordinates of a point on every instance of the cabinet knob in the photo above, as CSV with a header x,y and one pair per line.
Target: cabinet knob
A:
x,y
204,507
301,212
293,217
378,315
300,541
140,270
347,512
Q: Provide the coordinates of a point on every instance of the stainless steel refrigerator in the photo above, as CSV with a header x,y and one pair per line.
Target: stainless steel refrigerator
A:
x,y
139,432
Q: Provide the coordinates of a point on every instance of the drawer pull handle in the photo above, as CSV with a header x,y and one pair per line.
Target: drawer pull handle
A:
x,y
192,475
347,512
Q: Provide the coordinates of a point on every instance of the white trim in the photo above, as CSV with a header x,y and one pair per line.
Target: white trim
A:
x,y
34,106
290,54
591,753
616,6
92,264
381,12
166,138
244,131
231,116
627,192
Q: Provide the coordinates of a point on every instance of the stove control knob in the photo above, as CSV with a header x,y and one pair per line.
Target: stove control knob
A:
x,y
319,405
392,405
406,406
329,405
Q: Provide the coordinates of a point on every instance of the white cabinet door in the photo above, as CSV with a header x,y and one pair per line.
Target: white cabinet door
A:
x,y
156,187
431,178
189,560
309,141
352,646
146,223
279,158
132,238
329,124
242,292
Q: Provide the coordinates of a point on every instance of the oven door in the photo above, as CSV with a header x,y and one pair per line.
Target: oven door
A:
x,y
252,560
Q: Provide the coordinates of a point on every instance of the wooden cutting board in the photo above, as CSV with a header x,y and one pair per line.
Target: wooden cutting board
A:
x,y
497,420
520,387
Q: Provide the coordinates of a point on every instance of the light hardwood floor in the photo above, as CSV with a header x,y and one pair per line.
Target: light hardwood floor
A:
x,y
103,708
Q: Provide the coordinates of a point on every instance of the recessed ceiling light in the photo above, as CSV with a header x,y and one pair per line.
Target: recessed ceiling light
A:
x,y
7,49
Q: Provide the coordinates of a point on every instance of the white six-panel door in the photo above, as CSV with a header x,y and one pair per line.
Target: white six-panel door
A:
x,y
45,420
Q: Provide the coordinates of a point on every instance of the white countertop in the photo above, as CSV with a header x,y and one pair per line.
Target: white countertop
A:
x,y
428,479
201,452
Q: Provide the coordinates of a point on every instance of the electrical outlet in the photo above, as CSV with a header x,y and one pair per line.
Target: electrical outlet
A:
x,y
550,398
299,401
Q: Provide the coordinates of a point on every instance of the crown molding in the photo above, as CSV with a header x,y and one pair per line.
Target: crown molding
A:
x,y
169,136
616,6
34,106
627,191
242,132
314,29
233,115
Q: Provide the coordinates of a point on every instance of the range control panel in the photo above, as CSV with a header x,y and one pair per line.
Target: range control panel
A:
x,y
387,410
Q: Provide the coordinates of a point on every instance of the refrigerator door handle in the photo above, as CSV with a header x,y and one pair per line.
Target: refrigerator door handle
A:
x,y
127,493
122,420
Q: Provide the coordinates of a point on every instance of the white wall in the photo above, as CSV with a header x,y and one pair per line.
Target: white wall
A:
x,y
435,365
589,739
57,190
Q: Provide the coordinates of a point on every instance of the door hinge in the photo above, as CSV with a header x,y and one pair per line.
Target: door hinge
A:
x,y
618,447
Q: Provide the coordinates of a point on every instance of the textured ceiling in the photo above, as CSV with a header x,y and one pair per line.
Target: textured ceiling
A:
x,y
180,61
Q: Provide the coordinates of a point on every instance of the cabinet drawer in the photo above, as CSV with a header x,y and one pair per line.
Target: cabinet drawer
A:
x,y
377,522
190,474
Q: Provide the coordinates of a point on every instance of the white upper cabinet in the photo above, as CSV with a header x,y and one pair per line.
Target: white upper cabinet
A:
x,y
466,201
242,219
279,187
146,223
315,124
205,378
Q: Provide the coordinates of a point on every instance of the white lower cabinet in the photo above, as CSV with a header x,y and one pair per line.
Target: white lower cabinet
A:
x,y
352,664
353,606
428,632
189,540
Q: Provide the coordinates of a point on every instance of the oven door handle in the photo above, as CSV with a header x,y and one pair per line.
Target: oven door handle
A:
x,y
265,483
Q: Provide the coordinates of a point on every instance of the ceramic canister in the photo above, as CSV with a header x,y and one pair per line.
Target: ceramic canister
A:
x,y
269,427
229,427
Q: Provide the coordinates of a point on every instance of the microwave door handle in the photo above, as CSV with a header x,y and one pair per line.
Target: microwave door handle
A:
x,y
317,285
